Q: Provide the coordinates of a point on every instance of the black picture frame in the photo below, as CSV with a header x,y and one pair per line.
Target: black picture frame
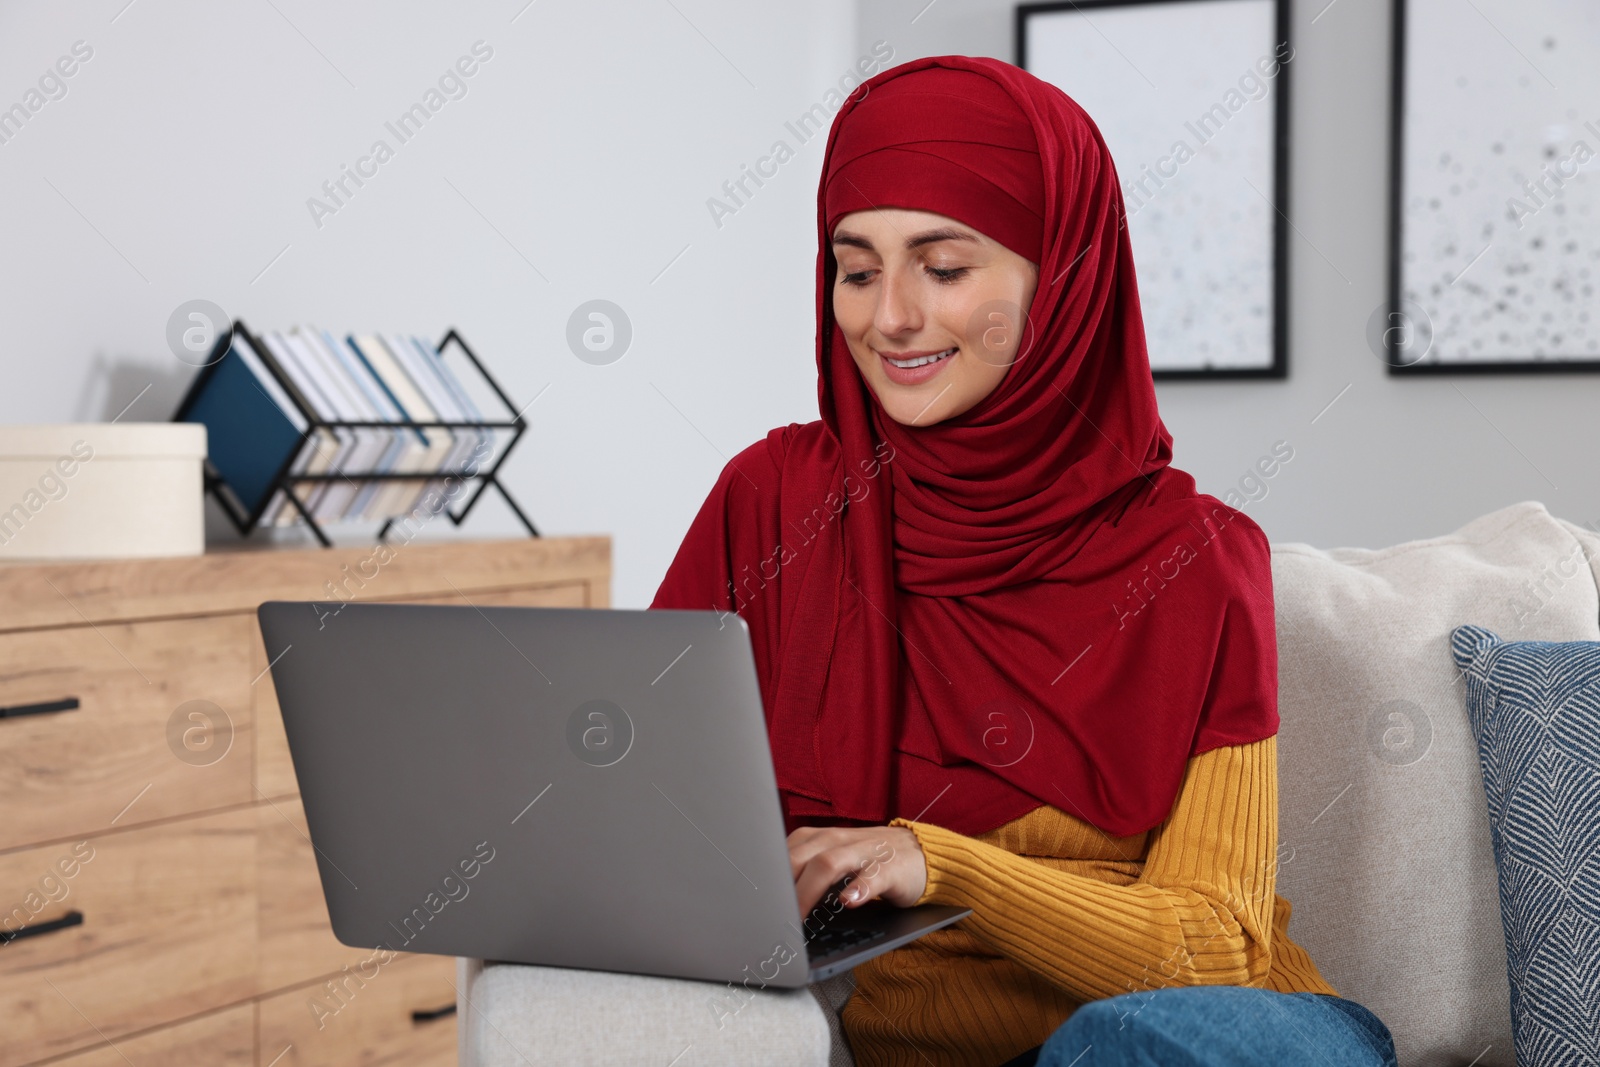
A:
x,y
1278,367
1400,326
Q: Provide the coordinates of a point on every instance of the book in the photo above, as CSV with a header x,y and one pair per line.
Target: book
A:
x,y
322,445
466,411
328,502
438,398
218,392
370,443
370,400
405,396
251,428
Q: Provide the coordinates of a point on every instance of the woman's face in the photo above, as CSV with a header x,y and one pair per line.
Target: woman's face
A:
x,y
912,284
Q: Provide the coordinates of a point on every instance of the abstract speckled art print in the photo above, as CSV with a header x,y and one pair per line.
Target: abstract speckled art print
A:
x,y
1496,203
1190,96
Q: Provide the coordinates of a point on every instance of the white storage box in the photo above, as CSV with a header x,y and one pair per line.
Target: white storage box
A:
x,y
102,490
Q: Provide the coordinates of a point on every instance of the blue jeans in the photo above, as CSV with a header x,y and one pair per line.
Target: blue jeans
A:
x,y
1216,1026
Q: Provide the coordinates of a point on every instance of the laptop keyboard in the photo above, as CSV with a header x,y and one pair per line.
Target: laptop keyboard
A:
x,y
830,940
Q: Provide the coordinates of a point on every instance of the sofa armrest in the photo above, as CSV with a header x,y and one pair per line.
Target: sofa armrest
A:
x,y
511,1015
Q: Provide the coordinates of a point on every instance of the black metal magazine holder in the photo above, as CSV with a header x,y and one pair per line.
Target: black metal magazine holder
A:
x,y
247,519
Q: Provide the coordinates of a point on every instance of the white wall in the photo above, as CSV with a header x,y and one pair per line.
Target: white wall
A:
x,y
179,163
1392,459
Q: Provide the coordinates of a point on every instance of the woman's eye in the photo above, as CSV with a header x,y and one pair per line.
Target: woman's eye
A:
x,y
943,274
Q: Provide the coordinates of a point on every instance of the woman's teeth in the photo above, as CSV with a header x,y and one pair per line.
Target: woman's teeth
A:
x,y
909,363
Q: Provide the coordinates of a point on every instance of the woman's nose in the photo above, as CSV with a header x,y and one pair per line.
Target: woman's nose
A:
x,y
898,310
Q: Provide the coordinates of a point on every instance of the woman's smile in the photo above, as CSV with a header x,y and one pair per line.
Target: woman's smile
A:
x,y
914,368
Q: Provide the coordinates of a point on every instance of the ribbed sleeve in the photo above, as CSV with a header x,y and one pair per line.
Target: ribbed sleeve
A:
x,y
1063,914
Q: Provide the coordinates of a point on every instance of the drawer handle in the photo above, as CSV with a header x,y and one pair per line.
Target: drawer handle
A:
x,y
436,1013
46,707
71,918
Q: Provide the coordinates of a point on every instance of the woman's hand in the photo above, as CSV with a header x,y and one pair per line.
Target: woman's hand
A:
x,y
878,861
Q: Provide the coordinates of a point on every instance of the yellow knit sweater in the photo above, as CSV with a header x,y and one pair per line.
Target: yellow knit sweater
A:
x,y
1063,914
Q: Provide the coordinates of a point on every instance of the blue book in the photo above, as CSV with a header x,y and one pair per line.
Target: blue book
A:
x,y
250,437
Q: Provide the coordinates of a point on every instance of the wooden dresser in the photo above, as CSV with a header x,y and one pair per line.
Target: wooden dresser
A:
x,y
158,894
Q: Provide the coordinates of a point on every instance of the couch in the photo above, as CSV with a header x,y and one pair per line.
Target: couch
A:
x,y
1385,851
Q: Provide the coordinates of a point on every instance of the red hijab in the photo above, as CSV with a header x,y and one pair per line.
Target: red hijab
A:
x,y
1024,604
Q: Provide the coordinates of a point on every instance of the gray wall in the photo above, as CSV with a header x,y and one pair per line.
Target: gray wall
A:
x,y
1391,460
578,166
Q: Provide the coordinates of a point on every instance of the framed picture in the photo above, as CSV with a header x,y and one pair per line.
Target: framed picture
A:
x,y
1191,97
1494,209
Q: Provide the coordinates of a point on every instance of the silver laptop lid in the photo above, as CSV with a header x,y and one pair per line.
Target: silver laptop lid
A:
x,y
571,787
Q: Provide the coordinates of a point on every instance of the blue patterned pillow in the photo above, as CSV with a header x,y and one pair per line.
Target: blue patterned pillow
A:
x,y
1535,711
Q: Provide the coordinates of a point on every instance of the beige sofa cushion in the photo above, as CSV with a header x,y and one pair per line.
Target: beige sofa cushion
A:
x,y
515,1016
1384,839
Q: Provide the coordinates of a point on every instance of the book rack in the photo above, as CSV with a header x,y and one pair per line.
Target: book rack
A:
x,y
247,517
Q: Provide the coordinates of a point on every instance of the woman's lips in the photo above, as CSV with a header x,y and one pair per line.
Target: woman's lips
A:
x,y
914,375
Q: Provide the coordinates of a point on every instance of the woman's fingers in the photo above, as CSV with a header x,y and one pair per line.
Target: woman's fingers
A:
x,y
808,843
860,889
800,850
886,863
820,875
835,859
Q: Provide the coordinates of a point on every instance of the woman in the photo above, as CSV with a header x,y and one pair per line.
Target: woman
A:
x,y
1011,659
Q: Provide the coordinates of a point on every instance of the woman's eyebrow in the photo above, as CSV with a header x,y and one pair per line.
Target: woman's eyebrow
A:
x,y
926,237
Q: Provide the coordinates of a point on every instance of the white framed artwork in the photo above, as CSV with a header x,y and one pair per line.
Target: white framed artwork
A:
x,y
1191,99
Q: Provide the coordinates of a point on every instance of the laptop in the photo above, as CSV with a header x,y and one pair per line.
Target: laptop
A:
x,y
569,787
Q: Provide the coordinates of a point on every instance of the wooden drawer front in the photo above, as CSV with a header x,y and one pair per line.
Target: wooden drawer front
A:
x,y
275,771
168,931
226,1039
297,942
72,773
363,1018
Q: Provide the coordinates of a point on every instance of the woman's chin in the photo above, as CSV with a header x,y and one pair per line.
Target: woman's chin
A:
x,y
915,406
